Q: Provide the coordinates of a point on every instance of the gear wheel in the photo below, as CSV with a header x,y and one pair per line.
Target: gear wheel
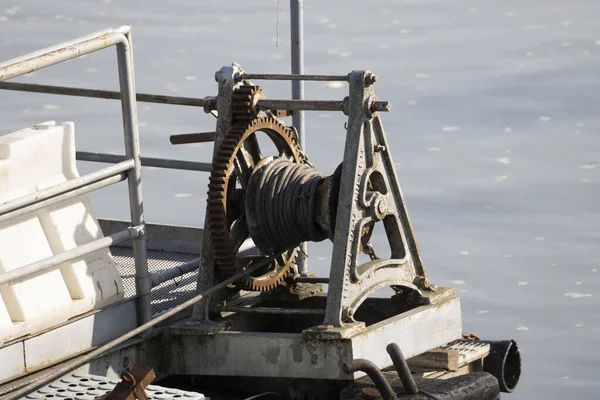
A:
x,y
232,166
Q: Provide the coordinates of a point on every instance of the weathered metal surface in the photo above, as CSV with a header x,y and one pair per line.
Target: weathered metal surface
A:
x,y
133,384
146,161
292,355
315,105
367,161
208,102
226,81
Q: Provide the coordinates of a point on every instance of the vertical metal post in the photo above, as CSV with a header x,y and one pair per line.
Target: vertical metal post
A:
x,y
297,47
134,181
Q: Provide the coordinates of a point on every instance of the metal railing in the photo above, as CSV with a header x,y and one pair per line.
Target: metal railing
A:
x,y
128,167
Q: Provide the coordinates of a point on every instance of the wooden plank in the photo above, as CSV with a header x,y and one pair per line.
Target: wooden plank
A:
x,y
436,359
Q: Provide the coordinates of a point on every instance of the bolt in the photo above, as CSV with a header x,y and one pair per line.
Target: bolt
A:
x,y
238,76
381,206
370,78
379,148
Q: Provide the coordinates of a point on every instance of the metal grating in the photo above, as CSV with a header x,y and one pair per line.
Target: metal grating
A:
x,y
166,295
88,387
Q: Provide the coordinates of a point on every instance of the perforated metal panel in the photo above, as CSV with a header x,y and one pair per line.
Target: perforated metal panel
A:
x,y
168,294
88,387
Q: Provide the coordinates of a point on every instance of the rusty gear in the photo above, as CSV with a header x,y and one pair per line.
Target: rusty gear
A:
x,y
234,161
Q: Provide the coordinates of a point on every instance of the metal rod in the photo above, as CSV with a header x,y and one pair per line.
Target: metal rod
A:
x,y
107,94
62,197
68,186
402,368
374,373
146,161
294,76
62,52
306,105
297,59
314,105
172,273
310,279
134,181
68,255
185,138
274,310
82,360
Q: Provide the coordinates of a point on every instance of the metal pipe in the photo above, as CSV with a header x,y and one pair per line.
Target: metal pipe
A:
x,y
84,359
185,138
402,368
273,310
68,186
314,105
68,255
175,272
146,161
65,196
108,94
374,373
310,279
134,181
62,52
296,52
297,58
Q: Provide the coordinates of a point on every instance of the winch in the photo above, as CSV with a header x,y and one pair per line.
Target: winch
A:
x,y
265,198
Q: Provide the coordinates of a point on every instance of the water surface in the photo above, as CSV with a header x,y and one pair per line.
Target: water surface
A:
x,y
495,131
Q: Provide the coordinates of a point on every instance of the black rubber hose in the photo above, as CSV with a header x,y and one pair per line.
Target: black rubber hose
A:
x,y
402,368
374,373
503,362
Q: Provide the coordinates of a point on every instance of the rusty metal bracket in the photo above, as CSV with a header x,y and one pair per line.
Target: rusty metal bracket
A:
x,y
132,385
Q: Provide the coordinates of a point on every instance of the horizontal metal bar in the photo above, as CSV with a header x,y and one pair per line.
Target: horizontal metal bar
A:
x,y
314,105
146,161
65,187
62,52
68,255
306,105
309,279
274,310
65,196
57,372
108,94
200,137
295,77
172,273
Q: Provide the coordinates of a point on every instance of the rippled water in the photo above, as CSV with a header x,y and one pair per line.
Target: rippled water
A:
x,y
495,130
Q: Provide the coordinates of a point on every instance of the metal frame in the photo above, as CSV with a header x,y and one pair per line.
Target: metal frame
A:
x,y
121,38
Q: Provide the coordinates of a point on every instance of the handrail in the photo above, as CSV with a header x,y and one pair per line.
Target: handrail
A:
x,y
80,251
121,38
61,188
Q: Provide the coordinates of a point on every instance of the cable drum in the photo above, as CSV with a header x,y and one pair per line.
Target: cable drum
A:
x,y
280,205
